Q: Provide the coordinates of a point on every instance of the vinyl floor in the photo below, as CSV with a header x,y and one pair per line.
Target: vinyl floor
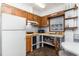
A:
x,y
43,51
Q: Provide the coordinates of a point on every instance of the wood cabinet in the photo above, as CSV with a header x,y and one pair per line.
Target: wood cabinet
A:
x,y
20,13
30,16
28,43
44,21
37,19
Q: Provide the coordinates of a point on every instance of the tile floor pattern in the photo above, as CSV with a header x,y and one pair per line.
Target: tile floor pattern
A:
x,y
45,51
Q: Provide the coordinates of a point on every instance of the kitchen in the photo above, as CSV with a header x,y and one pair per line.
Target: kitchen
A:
x,y
46,29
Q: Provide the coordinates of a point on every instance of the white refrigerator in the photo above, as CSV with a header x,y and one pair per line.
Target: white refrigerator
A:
x,y
13,35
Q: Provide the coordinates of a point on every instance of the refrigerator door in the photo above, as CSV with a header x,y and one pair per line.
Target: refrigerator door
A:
x,y
12,22
13,43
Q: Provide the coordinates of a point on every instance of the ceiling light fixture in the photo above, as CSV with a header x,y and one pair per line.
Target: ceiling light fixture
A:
x,y
42,5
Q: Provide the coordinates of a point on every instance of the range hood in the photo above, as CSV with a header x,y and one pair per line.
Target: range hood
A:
x,y
30,26
32,22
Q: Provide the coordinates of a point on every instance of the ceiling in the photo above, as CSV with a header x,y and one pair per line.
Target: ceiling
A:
x,y
48,6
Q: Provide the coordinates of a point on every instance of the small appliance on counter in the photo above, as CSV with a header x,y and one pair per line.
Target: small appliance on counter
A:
x,y
41,31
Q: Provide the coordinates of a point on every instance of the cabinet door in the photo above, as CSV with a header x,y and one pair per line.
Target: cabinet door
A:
x,y
19,12
44,21
35,17
30,16
28,44
39,21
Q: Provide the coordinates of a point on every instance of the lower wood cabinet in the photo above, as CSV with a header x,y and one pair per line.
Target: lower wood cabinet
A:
x,y
28,43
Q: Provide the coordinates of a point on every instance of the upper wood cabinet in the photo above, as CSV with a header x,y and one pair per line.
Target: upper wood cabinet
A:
x,y
30,16
19,12
39,21
44,21
35,17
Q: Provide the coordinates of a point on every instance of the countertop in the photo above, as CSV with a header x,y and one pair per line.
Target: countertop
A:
x,y
46,34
